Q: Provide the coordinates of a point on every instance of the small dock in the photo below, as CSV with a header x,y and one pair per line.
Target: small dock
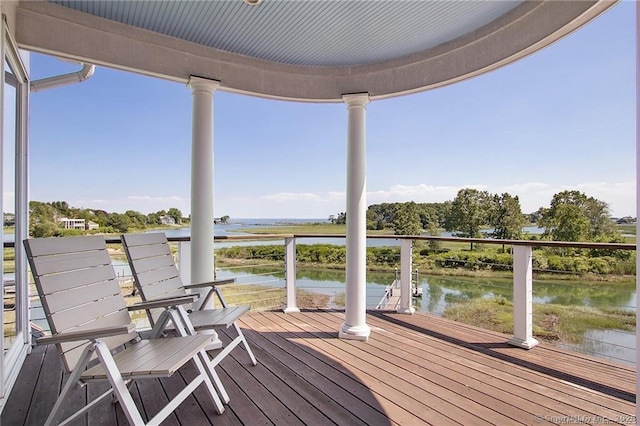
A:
x,y
391,298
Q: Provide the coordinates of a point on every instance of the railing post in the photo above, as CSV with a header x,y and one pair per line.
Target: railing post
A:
x,y
290,275
523,298
184,261
406,252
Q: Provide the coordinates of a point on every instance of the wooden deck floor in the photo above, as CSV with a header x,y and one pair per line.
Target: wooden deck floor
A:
x,y
413,370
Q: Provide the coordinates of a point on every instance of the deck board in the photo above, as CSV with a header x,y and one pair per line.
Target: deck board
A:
x,y
414,369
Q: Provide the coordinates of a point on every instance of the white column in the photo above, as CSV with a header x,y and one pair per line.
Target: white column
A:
x,y
355,325
406,252
290,275
202,265
637,210
523,298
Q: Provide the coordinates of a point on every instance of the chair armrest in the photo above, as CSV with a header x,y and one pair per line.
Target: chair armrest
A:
x,y
164,302
211,283
89,334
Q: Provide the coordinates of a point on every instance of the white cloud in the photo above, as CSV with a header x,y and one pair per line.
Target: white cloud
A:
x,y
151,198
291,196
142,203
619,195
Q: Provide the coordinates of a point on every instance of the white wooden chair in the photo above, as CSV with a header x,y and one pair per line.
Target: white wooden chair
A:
x,y
156,275
88,318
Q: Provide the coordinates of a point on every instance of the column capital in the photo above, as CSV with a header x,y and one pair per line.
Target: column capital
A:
x,y
356,99
204,84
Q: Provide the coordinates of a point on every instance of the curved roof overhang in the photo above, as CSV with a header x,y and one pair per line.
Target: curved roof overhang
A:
x,y
527,27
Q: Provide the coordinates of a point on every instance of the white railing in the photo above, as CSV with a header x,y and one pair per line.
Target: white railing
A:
x,y
522,274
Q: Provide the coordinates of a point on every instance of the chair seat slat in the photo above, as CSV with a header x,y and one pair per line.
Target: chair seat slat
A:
x,y
158,357
211,318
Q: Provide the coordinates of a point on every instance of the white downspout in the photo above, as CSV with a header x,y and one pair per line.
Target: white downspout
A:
x,y
64,79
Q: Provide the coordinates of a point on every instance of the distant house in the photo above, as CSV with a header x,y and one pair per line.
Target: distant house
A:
x,y
72,223
8,219
167,220
92,225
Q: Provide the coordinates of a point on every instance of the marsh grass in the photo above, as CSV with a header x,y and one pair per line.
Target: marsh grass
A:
x,y
8,260
262,298
550,322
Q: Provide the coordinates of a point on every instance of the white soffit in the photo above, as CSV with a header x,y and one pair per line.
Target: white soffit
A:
x,y
306,33
310,50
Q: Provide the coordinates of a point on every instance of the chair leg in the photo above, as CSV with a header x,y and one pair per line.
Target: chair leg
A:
x,y
245,343
119,385
213,376
84,359
211,379
184,327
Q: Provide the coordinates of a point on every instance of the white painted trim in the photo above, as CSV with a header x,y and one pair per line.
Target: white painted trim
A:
x,y
11,361
637,210
79,36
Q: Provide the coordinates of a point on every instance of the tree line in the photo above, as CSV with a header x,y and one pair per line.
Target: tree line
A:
x,y
571,216
44,219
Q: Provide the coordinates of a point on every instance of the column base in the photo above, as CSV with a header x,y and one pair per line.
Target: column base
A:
x,y
523,343
215,343
290,310
358,332
407,311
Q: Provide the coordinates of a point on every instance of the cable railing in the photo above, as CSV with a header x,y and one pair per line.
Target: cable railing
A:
x,y
279,279
589,317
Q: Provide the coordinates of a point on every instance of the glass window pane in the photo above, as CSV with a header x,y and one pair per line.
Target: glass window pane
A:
x,y
9,112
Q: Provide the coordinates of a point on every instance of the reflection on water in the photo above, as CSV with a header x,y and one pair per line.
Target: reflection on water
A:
x,y
615,345
323,281
438,292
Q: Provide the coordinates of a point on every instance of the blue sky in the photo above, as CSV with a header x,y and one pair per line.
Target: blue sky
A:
x,y
563,118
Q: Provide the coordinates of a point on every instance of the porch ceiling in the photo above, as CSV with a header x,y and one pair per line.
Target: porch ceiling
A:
x,y
302,50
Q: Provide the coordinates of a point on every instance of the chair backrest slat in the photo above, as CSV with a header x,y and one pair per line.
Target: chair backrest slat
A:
x,y
89,312
78,288
67,262
153,267
64,300
152,263
157,275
